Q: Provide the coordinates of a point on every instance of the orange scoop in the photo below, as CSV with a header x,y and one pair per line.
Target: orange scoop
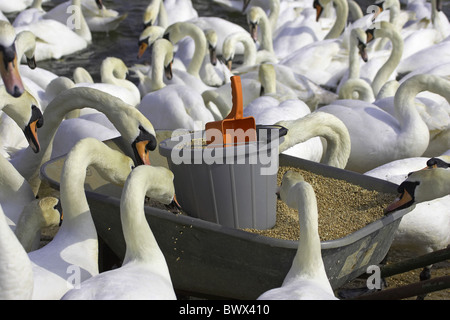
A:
x,y
234,128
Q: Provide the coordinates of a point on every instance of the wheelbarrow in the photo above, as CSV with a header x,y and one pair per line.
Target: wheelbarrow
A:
x,y
207,259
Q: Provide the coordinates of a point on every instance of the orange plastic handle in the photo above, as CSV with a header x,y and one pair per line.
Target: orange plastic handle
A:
x,y
237,111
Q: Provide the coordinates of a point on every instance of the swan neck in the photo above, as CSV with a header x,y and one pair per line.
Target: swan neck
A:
x,y
389,66
266,31
356,86
140,242
274,13
324,125
307,262
249,51
341,19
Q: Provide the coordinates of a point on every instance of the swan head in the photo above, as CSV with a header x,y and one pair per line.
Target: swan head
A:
x,y
27,40
359,38
253,17
143,144
439,162
27,115
151,14
290,179
51,211
9,66
420,186
30,131
99,4
319,9
148,37
211,38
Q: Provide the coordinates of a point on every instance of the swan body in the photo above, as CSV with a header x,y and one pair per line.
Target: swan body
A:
x,y
97,19
404,135
15,6
56,39
164,13
76,243
426,227
144,273
307,278
175,107
135,128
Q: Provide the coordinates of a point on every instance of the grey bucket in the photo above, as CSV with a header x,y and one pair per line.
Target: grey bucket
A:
x,y
234,186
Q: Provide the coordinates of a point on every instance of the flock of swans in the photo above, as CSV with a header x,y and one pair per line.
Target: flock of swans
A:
x,y
363,92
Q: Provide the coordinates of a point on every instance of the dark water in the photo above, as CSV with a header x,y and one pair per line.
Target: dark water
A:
x,y
123,42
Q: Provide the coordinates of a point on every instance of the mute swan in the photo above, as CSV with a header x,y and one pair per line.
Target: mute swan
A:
x,y
9,60
97,16
426,228
352,83
307,278
387,70
36,215
135,129
421,186
56,39
179,30
405,135
113,72
75,244
7,6
26,115
341,16
144,273
164,13
252,56
323,125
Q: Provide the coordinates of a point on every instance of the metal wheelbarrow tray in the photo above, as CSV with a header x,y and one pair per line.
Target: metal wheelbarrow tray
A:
x,y
207,259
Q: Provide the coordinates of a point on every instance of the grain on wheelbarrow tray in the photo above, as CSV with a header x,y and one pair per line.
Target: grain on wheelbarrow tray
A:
x,y
343,208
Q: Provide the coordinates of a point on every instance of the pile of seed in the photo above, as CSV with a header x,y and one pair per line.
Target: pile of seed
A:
x,y
343,208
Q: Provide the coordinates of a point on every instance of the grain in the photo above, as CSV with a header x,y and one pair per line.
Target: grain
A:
x,y
343,208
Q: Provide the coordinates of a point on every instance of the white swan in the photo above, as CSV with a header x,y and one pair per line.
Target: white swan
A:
x,y
252,56
56,39
25,113
426,228
101,19
16,192
421,186
113,72
144,273
341,16
307,278
323,125
75,244
402,136
164,13
171,106
136,129
192,61
36,215
351,83
9,60
7,6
